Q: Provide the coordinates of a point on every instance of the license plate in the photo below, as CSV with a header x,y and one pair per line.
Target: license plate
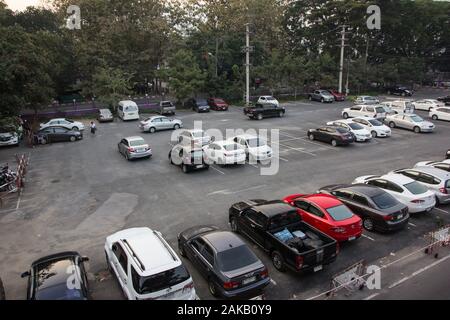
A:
x,y
318,268
140,150
351,238
399,216
199,166
249,280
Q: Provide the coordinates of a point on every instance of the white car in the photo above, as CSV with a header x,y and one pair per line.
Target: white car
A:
x,y
146,267
225,152
443,165
256,149
194,136
400,106
9,139
63,122
361,134
373,111
267,100
366,100
376,127
128,110
440,113
427,104
406,190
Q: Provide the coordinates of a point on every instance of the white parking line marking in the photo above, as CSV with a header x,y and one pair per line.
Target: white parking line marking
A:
x,y
296,149
412,224
228,192
282,159
418,272
371,296
18,200
368,237
440,210
213,167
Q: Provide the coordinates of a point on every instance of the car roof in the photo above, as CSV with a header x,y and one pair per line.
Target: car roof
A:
x,y
324,200
365,189
127,102
433,171
273,208
247,136
223,142
193,130
150,249
133,138
223,240
364,118
397,178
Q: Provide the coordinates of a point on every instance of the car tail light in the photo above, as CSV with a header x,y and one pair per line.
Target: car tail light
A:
x,y
338,229
188,287
388,217
443,190
131,149
418,201
264,273
230,285
298,262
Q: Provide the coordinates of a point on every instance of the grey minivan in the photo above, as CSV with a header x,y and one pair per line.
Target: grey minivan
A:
x,y
167,107
434,179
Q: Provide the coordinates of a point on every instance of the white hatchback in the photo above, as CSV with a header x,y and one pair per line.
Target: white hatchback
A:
x,y
427,104
440,113
146,267
225,152
63,122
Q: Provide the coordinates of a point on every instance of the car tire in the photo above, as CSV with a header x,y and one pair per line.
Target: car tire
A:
x,y
322,100
311,137
310,98
152,130
392,124
403,94
176,127
368,224
417,129
259,116
389,92
110,269
212,288
72,138
334,143
184,168
435,117
75,128
345,115
44,141
278,261
233,225
374,134
281,114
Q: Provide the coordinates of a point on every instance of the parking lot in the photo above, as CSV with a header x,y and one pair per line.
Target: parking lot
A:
x,y
78,193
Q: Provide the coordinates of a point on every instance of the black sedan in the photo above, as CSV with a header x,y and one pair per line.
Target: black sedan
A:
x,y
445,99
335,136
399,90
57,134
231,268
60,276
378,209
198,105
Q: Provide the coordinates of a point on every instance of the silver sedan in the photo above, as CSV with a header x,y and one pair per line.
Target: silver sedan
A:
x,y
156,123
134,147
409,121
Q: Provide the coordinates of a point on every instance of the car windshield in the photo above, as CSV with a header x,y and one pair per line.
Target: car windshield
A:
x,y
379,109
270,98
415,188
59,292
197,134
135,143
376,123
255,142
159,281
219,101
197,153
166,104
231,147
235,258
130,108
416,118
69,120
202,102
355,126
340,213
384,200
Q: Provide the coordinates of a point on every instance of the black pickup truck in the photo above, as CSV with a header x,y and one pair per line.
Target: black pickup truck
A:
x,y
260,111
279,230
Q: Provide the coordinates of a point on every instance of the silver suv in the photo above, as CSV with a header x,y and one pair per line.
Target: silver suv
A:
x,y
434,179
146,267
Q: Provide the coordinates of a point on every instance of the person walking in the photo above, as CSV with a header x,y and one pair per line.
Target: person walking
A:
x,y
93,127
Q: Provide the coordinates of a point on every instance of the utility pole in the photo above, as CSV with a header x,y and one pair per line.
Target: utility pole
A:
x,y
365,61
341,65
247,65
348,74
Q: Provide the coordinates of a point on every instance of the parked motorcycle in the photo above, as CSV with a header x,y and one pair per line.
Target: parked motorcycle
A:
x,y
7,177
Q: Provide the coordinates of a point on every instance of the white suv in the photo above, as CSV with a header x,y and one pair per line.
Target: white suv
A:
x,y
146,267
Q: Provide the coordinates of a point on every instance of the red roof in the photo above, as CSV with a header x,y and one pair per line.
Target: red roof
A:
x,y
323,200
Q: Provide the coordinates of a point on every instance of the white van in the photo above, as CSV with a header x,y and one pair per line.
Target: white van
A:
x,y
400,106
128,110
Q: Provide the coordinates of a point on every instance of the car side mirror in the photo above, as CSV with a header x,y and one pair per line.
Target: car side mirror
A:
x,y
25,274
84,259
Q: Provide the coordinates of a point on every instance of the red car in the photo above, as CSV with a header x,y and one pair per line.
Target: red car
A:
x,y
337,96
218,104
328,214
